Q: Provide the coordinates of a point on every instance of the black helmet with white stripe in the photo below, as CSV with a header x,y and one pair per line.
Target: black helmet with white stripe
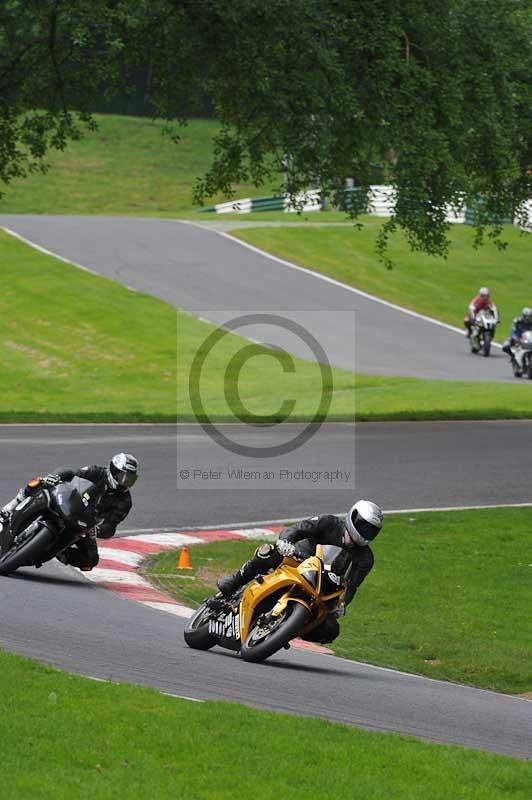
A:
x,y
122,471
363,522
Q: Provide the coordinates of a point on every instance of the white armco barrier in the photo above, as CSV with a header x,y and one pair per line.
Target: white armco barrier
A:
x,y
526,225
381,200
306,201
455,215
234,207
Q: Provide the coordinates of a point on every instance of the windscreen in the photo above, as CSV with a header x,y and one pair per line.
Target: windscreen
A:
x,y
337,558
77,502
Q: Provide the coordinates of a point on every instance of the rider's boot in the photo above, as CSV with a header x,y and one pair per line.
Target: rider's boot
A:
x,y
518,369
230,584
266,557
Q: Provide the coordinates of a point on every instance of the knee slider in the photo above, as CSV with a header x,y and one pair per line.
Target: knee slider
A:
x,y
264,551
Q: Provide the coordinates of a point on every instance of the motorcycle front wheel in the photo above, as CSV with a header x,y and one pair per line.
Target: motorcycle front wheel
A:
x,y
196,633
486,346
265,639
27,550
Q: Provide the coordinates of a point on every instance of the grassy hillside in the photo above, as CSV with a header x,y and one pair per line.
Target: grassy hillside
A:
x,y
126,167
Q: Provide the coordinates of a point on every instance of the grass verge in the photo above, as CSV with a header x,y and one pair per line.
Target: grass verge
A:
x,y
77,347
448,597
64,736
439,287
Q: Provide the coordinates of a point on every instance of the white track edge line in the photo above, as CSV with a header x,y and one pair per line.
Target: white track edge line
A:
x,y
282,521
120,683
69,261
333,281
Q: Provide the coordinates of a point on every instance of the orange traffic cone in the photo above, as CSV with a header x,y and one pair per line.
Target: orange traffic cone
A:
x,y
184,559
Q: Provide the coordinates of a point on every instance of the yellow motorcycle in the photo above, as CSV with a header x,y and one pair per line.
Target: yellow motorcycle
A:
x,y
265,615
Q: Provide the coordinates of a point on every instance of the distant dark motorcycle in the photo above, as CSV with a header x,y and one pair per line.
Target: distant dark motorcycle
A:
x,y
521,356
482,332
47,522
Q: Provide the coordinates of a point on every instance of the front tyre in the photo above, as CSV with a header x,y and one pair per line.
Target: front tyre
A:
x,y
27,550
266,639
486,345
196,633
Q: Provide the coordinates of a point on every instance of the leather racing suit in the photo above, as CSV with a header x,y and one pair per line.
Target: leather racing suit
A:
x,y
113,508
307,534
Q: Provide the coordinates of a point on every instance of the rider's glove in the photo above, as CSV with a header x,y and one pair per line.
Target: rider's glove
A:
x,y
52,479
104,530
285,548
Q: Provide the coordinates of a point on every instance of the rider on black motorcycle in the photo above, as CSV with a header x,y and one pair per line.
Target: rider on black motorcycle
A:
x,y
353,533
115,504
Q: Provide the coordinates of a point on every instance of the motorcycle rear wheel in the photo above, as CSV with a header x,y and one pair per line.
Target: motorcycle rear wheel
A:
x,y
196,633
27,552
259,649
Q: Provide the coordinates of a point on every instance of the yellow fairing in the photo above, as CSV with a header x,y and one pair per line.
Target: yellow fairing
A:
x,y
290,574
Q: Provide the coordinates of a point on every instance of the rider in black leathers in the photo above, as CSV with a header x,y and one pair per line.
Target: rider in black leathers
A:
x,y
115,503
352,533
520,324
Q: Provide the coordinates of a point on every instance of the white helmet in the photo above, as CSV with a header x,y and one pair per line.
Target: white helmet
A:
x,y
363,521
484,291
122,471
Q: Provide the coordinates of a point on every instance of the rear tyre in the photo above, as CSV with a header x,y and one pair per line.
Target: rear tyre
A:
x,y
27,551
196,633
486,347
260,644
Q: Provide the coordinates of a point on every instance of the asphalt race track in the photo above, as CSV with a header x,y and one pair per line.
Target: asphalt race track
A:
x,y
56,616
399,464
198,269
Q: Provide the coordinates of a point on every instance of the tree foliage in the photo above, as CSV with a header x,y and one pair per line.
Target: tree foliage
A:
x,y
439,91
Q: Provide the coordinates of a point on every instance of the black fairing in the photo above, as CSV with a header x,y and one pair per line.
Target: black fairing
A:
x,y
28,510
76,503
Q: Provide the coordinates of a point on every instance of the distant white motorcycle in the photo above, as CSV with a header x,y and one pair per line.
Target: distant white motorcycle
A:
x,y
483,331
522,356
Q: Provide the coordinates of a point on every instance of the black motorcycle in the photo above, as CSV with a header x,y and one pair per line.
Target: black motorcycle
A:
x,y
47,522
